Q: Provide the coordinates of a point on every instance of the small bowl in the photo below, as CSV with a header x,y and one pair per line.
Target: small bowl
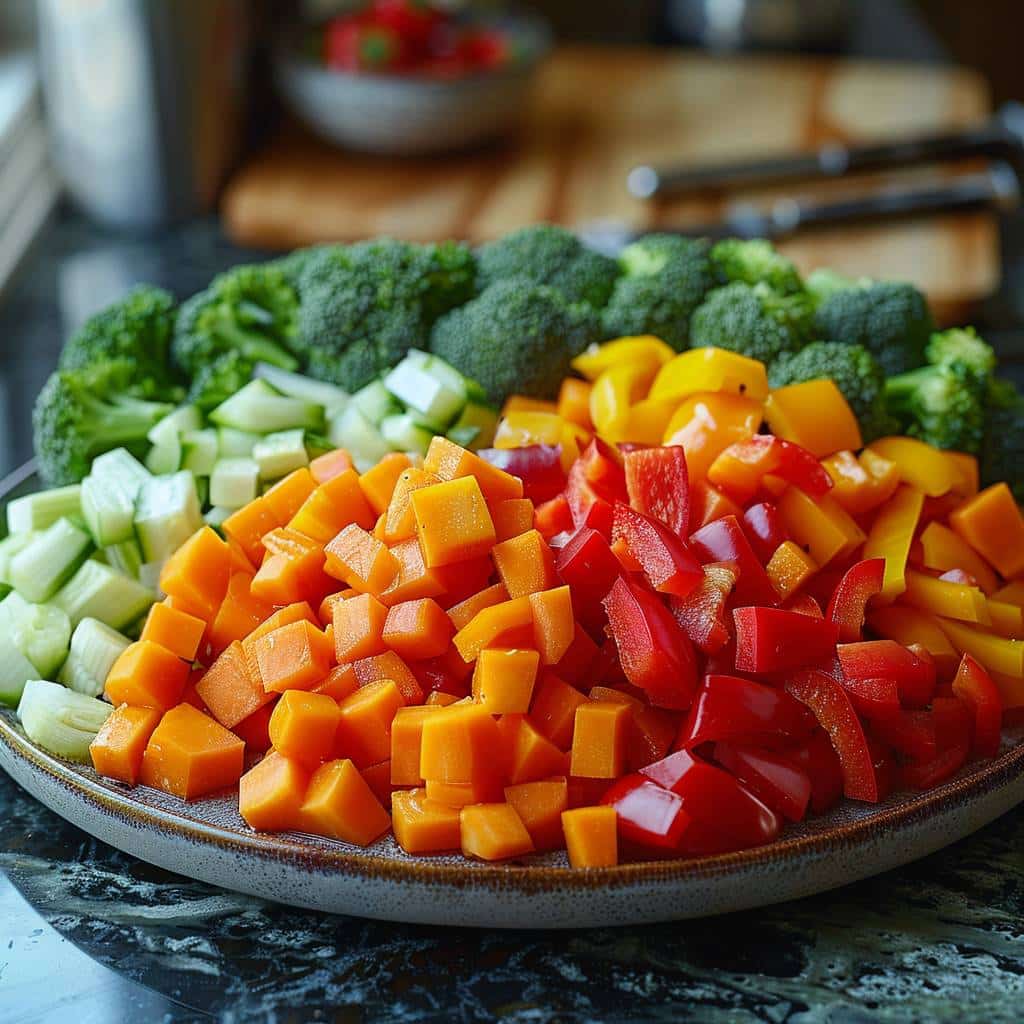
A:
x,y
398,115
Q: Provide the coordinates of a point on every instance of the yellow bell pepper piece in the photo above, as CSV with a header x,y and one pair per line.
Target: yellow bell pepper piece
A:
x,y
523,403
996,653
950,600
612,396
642,350
1007,619
920,465
967,465
519,429
862,482
711,369
1010,689
815,415
908,625
945,550
891,535
648,420
992,524
1012,593
574,402
822,527
706,424
789,568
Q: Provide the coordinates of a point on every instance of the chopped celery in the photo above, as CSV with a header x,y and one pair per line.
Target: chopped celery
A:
x,y
294,385
9,547
108,496
43,509
375,402
183,420
165,457
404,434
60,720
94,649
125,557
167,513
278,454
40,632
100,592
260,409
39,570
429,387
199,450
15,671
233,482
357,435
231,442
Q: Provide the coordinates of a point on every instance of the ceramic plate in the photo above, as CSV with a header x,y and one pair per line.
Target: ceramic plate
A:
x,y
208,840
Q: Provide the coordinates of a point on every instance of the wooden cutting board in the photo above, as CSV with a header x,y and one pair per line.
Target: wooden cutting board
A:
x,y
598,111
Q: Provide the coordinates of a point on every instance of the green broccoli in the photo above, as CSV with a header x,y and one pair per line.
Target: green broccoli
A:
x,y
753,260
82,413
251,310
890,319
1002,454
364,306
516,336
138,328
552,256
962,348
752,320
664,279
218,380
855,372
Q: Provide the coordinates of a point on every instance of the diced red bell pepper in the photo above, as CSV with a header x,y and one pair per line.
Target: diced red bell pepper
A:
x,y
553,517
701,614
654,652
817,757
607,666
665,558
764,529
804,604
539,466
724,541
974,686
887,768
658,485
586,563
732,708
953,726
647,813
596,481
577,660
954,722
771,777
910,732
877,659
874,698
836,715
849,600
743,465
775,640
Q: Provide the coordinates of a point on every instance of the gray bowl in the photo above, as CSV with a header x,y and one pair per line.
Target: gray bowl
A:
x,y
409,116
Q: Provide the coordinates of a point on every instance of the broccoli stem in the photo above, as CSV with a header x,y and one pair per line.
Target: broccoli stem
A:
x,y
253,345
125,419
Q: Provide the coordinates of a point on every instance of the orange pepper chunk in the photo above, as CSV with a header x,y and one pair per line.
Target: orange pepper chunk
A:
x,y
553,710
147,675
119,745
417,629
815,415
461,744
406,737
190,755
287,496
490,623
329,465
574,402
789,568
338,684
462,614
448,461
992,524
943,549
967,466
271,794
528,755
706,424
360,560
599,740
493,832
554,626
438,698
822,527
422,825
525,564
512,518
861,483
364,731
539,806
453,523
333,506
707,504
399,521
254,731
198,572
389,666
503,680
303,725
173,629
359,627
229,688
239,614
247,527
462,794
652,730
413,580
378,483
293,657
340,805
591,836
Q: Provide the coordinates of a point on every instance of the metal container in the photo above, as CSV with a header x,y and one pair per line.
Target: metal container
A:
x,y
145,102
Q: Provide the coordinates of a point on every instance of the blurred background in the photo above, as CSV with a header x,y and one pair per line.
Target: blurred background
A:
x,y
163,140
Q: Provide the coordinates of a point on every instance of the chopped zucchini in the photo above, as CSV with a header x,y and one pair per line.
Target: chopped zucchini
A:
x,y
167,513
125,557
294,385
278,454
165,457
108,496
94,649
15,671
359,437
404,434
41,568
9,547
258,408
429,387
232,443
233,482
42,509
97,591
375,402
40,632
200,449
60,720
182,420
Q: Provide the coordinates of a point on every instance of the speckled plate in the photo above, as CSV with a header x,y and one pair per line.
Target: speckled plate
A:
x,y
208,840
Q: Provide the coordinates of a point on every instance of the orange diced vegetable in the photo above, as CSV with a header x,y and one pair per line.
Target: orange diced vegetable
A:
x,y
359,627
198,572
488,625
453,523
554,627
540,806
493,832
176,630
329,465
574,402
364,732
553,710
413,579
340,805
512,518
943,549
528,755
459,744
389,665
254,731
338,684
525,564
707,504
652,730
248,526
119,745
287,496
815,415
378,778
503,680
378,483
399,521
599,740
270,795
422,825
361,560
992,524
789,568
821,526
147,675
450,462
333,506
462,614
293,657
230,689
591,836
438,698
303,725
417,629
293,569
462,794
406,735
239,614
282,617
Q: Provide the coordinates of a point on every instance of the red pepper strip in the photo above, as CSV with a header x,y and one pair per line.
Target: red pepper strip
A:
x,y
875,659
774,640
804,604
974,686
771,777
658,485
887,768
849,600
596,481
539,466
655,653
832,707
666,559
728,707
586,563
764,529
724,541
553,517
647,814
743,465
910,732
953,734
954,722
701,614
874,698
818,759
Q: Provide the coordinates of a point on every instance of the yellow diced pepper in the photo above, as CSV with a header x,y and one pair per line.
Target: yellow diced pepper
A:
x,y
648,419
908,625
1007,619
969,473
1010,689
789,568
706,424
996,653
941,597
945,550
922,466
711,369
519,429
523,403
815,415
643,350
822,527
891,535
612,396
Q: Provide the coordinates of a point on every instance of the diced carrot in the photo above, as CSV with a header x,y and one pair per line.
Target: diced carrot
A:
x,y
285,498
254,731
422,825
240,561
463,794
462,613
493,832
389,665
303,725
591,836
340,805
198,572
176,630
325,613
512,517
490,623
406,734
271,794
539,806
290,613
553,710
553,517
399,521
329,465
413,580
338,684
147,675
503,680
359,627
239,614
417,629
361,560
528,755
378,778
450,462
575,664
525,564
190,755
379,528
453,523
293,657
293,569
459,744
230,689
333,506
378,483
364,732
438,698
190,695
119,745
247,527
652,730
599,740
554,626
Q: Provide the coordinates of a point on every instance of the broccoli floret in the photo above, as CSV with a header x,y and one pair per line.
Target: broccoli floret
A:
x,y
549,255
752,320
137,328
962,348
1002,454
855,372
218,380
753,260
823,283
889,318
364,306
516,336
251,310
665,277
82,413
